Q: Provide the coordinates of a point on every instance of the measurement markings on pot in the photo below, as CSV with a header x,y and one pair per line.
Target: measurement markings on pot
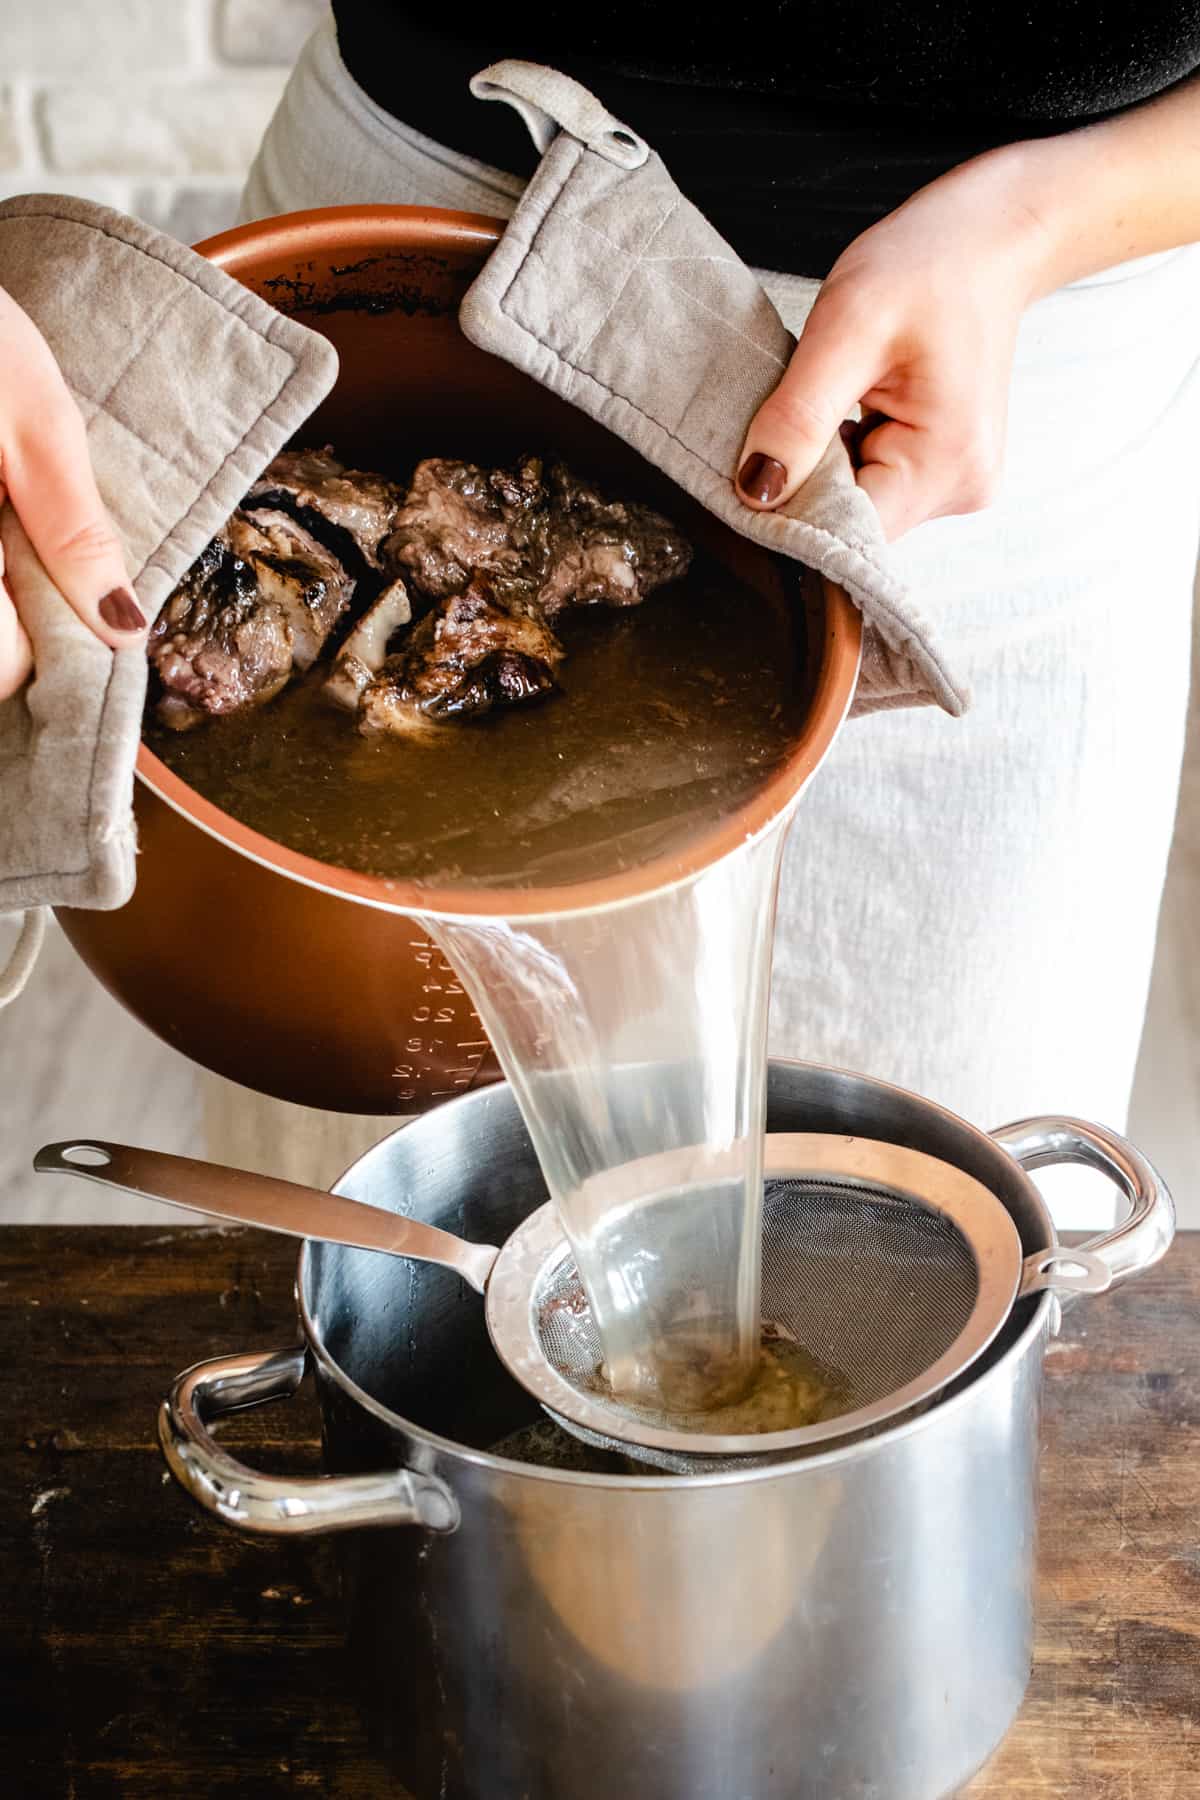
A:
x,y
430,1051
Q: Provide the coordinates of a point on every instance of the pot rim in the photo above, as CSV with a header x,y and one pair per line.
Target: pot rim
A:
x,y
825,1459
434,228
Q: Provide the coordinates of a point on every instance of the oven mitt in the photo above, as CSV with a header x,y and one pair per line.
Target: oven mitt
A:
x,y
612,289
189,385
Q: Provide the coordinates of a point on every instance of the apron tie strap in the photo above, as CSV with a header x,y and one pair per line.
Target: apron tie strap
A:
x,y
19,967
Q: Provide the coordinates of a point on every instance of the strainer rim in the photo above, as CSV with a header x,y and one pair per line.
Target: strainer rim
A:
x,y
926,1180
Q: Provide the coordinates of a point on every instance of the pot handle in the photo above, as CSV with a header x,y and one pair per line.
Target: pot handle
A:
x,y
266,1504
1141,1239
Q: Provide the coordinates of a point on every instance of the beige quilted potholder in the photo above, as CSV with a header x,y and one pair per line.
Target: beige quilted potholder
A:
x,y
609,287
189,384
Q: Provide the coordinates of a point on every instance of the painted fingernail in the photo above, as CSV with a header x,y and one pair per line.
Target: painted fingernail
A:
x,y
761,478
121,611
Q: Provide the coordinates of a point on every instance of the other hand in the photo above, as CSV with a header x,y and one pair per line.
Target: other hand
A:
x,y
46,474
916,324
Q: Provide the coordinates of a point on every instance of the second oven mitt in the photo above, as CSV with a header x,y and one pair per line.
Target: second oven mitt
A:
x,y
614,291
189,384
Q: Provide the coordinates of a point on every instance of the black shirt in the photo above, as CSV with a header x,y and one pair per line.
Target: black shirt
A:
x,y
809,119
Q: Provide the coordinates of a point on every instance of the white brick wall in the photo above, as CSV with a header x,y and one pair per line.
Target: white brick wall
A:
x,y
152,106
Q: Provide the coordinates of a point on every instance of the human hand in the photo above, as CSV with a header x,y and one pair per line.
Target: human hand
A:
x,y
46,474
916,323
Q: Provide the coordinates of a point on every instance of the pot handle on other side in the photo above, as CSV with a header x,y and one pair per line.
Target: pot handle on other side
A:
x,y
269,1505
1144,1236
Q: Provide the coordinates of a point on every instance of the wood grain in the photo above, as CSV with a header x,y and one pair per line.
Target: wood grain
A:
x,y
146,1653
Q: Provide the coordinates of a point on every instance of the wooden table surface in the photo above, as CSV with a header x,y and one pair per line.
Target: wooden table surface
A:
x,y
147,1652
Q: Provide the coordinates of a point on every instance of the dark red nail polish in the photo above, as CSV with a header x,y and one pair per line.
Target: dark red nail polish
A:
x,y
120,610
761,478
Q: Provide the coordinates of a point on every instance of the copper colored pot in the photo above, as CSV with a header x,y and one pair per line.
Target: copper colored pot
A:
x,y
252,959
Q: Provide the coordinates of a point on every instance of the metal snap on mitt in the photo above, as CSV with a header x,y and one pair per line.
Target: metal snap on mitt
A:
x,y
189,385
610,288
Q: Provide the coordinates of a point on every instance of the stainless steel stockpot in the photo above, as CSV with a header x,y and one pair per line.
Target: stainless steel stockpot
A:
x,y
853,1626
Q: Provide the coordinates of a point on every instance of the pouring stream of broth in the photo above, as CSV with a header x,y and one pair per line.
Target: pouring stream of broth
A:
x,y
676,983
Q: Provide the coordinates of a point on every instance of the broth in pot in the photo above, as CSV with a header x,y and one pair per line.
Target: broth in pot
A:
x,y
661,716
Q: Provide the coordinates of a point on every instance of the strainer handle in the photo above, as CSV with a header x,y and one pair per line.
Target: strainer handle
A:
x,y
269,1505
266,1202
1144,1236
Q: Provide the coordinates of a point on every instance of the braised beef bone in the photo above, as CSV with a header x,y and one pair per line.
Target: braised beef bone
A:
x,y
350,510
365,650
474,652
545,533
258,603
297,573
216,646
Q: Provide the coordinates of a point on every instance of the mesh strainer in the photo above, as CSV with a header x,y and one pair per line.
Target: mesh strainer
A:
x,y
890,1270
887,1269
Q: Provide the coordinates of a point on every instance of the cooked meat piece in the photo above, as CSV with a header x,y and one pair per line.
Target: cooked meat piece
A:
x,y
333,501
551,536
363,652
258,602
606,552
459,521
475,651
297,573
217,646
499,552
